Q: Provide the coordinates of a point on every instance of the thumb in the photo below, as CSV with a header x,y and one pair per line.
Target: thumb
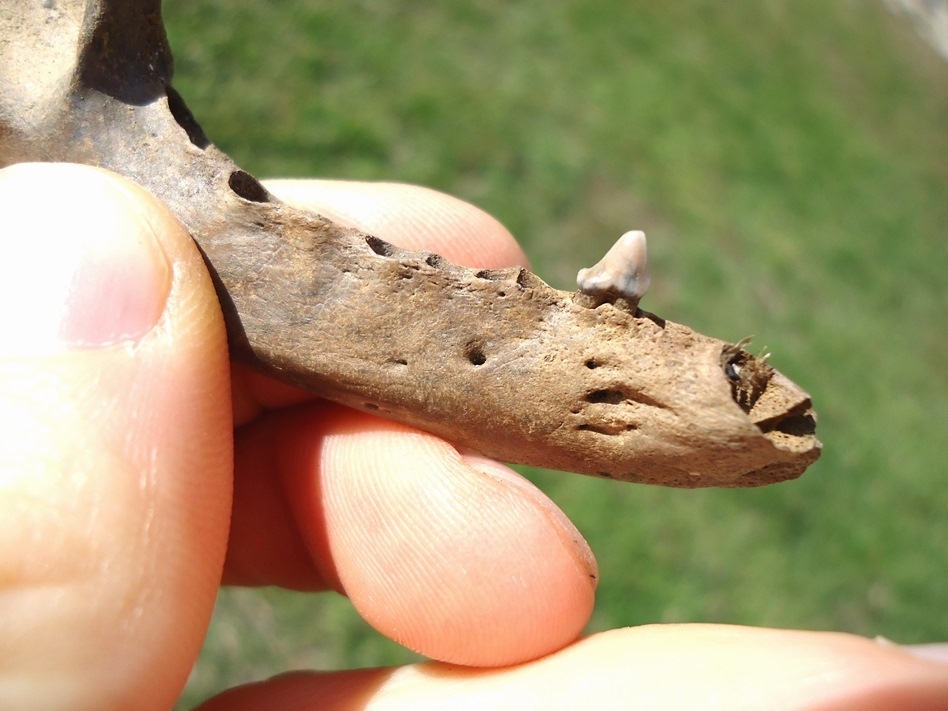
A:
x,y
115,443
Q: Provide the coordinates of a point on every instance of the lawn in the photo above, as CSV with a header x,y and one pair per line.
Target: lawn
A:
x,y
789,161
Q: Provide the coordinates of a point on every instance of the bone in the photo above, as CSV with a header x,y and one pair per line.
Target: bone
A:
x,y
494,360
621,274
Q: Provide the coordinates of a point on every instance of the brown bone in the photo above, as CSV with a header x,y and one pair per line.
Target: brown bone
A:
x,y
496,361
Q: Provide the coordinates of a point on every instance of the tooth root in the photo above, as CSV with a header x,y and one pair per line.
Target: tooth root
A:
x,y
621,274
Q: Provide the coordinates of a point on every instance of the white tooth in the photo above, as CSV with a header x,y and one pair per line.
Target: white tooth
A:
x,y
623,272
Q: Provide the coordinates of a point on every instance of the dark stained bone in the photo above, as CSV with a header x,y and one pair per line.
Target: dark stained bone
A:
x,y
493,360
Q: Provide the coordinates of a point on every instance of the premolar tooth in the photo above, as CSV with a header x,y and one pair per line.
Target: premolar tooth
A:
x,y
621,274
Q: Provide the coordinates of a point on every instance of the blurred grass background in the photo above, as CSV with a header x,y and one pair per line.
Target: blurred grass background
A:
x,y
789,162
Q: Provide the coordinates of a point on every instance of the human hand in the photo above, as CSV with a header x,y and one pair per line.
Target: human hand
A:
x,y
123,433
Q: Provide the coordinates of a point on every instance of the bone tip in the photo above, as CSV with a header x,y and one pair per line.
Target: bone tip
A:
x,y
621,273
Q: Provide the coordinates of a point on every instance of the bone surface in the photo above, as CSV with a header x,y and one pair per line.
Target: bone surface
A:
x,y
493,360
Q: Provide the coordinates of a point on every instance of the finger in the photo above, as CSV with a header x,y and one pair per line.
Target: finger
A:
x,y
453,556
114,444
668,667
456,563
410,216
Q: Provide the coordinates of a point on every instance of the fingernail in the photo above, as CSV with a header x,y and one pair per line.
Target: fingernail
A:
x,y
84,265
936,652
566,528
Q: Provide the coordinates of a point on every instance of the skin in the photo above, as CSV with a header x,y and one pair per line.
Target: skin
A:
x,y
131,452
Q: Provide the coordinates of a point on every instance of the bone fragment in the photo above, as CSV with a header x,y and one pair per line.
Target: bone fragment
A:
x,y
493,360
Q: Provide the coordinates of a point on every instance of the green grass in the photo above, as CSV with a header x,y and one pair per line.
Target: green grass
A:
x,y
789,161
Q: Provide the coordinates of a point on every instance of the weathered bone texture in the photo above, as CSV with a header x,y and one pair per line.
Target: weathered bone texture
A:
x,y
496,361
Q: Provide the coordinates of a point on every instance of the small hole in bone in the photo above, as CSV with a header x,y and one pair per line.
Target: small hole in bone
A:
x,y
475,354
592,364
380,246
595,428
246,186
436,261
492,274
610,397
733,371
798,426
370,406
527,279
